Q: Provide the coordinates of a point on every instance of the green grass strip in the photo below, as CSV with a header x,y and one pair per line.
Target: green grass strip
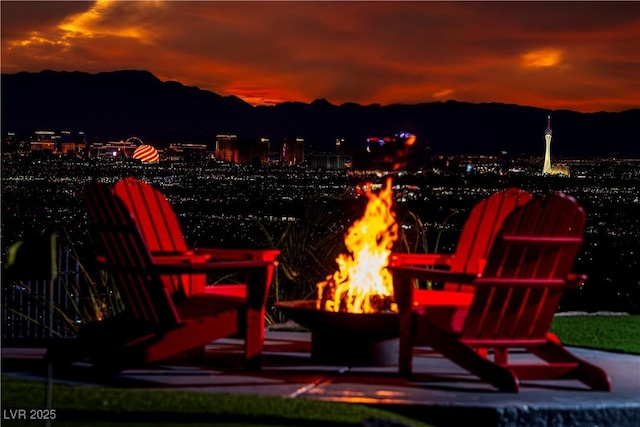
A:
x,y
611,333
93,404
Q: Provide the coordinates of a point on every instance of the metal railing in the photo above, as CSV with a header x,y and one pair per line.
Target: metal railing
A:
x,y
25,304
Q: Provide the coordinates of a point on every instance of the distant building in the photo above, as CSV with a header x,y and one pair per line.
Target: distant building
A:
x,y
252,151
113,150
264,150
42,146
328,161
547,169
226,148
292,152
505,163
9,141
243,151
44,135
186,152
56,143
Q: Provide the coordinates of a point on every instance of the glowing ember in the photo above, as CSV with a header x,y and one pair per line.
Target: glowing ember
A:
x,y
362,283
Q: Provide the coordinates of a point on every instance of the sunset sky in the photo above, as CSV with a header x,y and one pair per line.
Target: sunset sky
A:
x,y
582,56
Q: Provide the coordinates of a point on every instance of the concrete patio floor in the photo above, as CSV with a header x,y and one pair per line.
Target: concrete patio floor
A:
x,y
439,393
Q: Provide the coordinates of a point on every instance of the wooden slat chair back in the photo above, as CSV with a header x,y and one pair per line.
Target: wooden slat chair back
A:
x,y
476,238
161,230
526,273
528,268
156,219
480,229
145,297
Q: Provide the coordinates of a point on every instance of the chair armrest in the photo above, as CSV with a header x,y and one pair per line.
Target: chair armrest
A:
x,y
202,267
172,253
238,254
399,258
169,257
403,288
187,266
258,275
432,274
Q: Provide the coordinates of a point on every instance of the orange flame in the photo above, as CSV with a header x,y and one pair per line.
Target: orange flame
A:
x,y
362,275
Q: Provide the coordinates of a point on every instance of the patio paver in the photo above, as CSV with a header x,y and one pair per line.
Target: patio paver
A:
x,y
440,392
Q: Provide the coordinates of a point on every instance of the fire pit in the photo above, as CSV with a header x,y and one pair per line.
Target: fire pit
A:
x,y
341,338
354,321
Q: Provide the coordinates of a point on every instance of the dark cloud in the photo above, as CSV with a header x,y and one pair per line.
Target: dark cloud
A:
x,y
21,17
580,55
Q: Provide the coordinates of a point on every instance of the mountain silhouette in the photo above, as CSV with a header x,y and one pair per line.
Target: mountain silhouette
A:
x,y
116,105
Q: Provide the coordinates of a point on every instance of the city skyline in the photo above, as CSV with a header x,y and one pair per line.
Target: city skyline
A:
x,y
580,56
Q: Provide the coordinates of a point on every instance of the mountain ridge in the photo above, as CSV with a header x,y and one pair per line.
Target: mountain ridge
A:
x,y
117,104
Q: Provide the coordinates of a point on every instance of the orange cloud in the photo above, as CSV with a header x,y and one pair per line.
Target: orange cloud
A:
x,y
541,58
92,23
443,93
35,38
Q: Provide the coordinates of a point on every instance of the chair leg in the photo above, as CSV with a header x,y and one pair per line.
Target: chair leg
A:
x,y
254,339
403,292
589,374
257,291
466,357
197,354
405,345
501,355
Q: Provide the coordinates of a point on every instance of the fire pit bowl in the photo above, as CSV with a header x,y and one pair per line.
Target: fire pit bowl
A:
x,y
351,339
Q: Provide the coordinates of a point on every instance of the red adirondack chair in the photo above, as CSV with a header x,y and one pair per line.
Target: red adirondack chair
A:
x,y
472,248
154,326
162,232
527,269
478,233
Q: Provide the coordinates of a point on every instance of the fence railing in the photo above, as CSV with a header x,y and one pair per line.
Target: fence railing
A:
x,y
25,304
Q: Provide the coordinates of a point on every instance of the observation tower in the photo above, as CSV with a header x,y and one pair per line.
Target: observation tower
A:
x,y
546,168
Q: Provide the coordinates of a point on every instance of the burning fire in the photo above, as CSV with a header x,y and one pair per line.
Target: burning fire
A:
x,y
362,283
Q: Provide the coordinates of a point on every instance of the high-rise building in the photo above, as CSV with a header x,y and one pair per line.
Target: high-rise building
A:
x,y
58,143
547,169
292,152
264,150
186,152
252,151
226,149
328,161
505,163
548,133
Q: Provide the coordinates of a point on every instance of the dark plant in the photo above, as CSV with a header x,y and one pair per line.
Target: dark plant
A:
x,y
310,245
89,296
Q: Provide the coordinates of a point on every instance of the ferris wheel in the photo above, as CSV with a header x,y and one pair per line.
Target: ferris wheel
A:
x,y
134,140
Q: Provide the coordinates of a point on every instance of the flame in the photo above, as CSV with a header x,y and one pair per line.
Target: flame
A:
x,y
362,280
